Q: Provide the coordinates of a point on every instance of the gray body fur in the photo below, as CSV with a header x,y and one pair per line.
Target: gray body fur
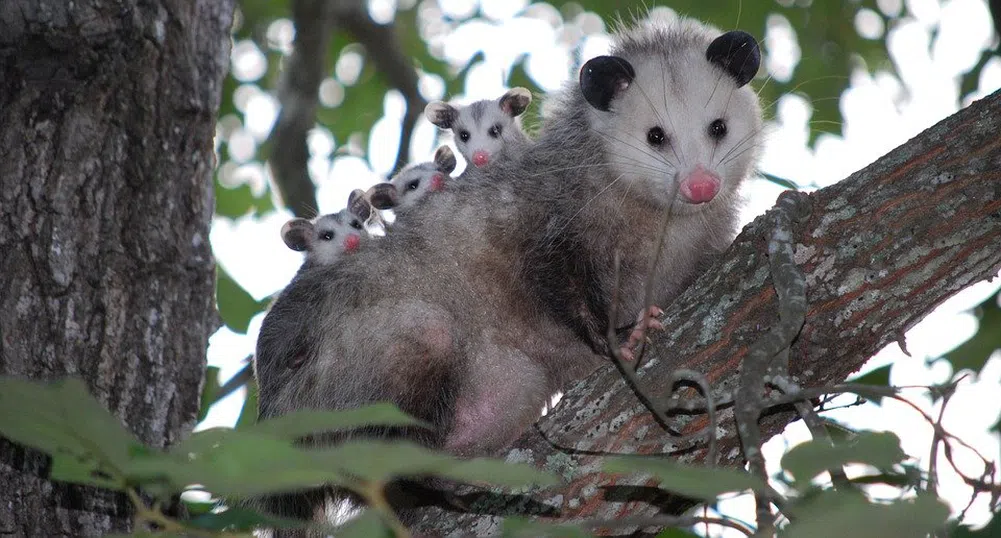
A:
x,y
497,294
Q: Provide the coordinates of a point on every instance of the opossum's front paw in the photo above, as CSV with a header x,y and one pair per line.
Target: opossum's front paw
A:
x,y
646,320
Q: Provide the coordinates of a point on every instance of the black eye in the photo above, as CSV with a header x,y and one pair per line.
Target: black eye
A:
x,y
717,129
412,185
464,135
495,131
327,236
355,224
655,136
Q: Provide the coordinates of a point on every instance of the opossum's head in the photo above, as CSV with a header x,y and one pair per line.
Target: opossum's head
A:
x,y
672,104
414,182
483,128
325,239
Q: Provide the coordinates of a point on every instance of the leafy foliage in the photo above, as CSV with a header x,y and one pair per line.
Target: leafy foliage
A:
x,y
878,449
696,482
90,446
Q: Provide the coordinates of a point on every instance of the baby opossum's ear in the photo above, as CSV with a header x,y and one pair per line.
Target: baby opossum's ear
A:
x,y
358,204
515,101
441,114
444,159
297,234
604,78
383,195
738,53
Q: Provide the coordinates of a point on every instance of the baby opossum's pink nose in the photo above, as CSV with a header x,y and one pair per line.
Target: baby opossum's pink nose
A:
x,y
700,186
351,242
437,182
481,158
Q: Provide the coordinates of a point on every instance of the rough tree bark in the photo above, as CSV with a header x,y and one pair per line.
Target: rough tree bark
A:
x,y
881,249
107,118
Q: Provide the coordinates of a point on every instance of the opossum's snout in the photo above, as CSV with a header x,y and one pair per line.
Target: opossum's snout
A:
x,y
351,242
437,182
699,186
480,158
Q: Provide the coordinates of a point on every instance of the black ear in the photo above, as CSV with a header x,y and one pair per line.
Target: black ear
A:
x,y
603,78
383,195
297,234
359,205
444,159
441,114
515,101
738,53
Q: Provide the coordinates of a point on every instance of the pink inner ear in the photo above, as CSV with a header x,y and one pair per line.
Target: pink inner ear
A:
x,y
437,182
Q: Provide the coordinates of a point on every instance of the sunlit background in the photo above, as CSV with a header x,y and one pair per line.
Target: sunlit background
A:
x,y
931,45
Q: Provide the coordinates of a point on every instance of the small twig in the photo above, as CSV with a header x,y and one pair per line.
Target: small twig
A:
x,y
700,380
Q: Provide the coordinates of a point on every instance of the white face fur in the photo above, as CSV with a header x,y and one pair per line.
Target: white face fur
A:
x,y
484,128
415,182
327,238
681,119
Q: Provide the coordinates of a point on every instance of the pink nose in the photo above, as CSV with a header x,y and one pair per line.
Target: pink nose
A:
x,y
700,186
480,158
437,182
351,242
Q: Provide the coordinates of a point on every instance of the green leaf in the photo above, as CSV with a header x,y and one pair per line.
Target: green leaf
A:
x,y
519,527
242,519
248,415
973,354
87,444
198,508
879,449
236,306
209,391
697,482
232,464
368,524
781,182
302,423
879,377
837,515
233,202
379,461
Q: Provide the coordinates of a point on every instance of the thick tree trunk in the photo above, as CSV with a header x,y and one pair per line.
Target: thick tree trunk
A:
x,y
107,116
880,251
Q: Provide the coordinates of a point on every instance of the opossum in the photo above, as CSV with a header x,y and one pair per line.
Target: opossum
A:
x,y
327,238
499,292
414,182
485,131
364,204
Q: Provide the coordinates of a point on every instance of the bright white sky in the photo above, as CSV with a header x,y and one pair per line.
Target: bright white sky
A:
x,y
881,112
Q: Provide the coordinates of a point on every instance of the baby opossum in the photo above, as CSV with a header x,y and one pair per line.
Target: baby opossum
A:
x,y
364,204
325,239
414,182
498,293
485,130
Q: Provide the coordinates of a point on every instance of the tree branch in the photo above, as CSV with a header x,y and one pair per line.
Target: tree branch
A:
x,y
298,95
314,22
880,251
382,46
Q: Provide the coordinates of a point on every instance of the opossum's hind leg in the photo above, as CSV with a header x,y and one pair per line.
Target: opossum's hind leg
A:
x,y
647,320
503,395
421,369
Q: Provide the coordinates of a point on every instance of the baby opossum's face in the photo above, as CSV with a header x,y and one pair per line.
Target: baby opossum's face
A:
x,y
483,128
415,182
326,239
674,115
